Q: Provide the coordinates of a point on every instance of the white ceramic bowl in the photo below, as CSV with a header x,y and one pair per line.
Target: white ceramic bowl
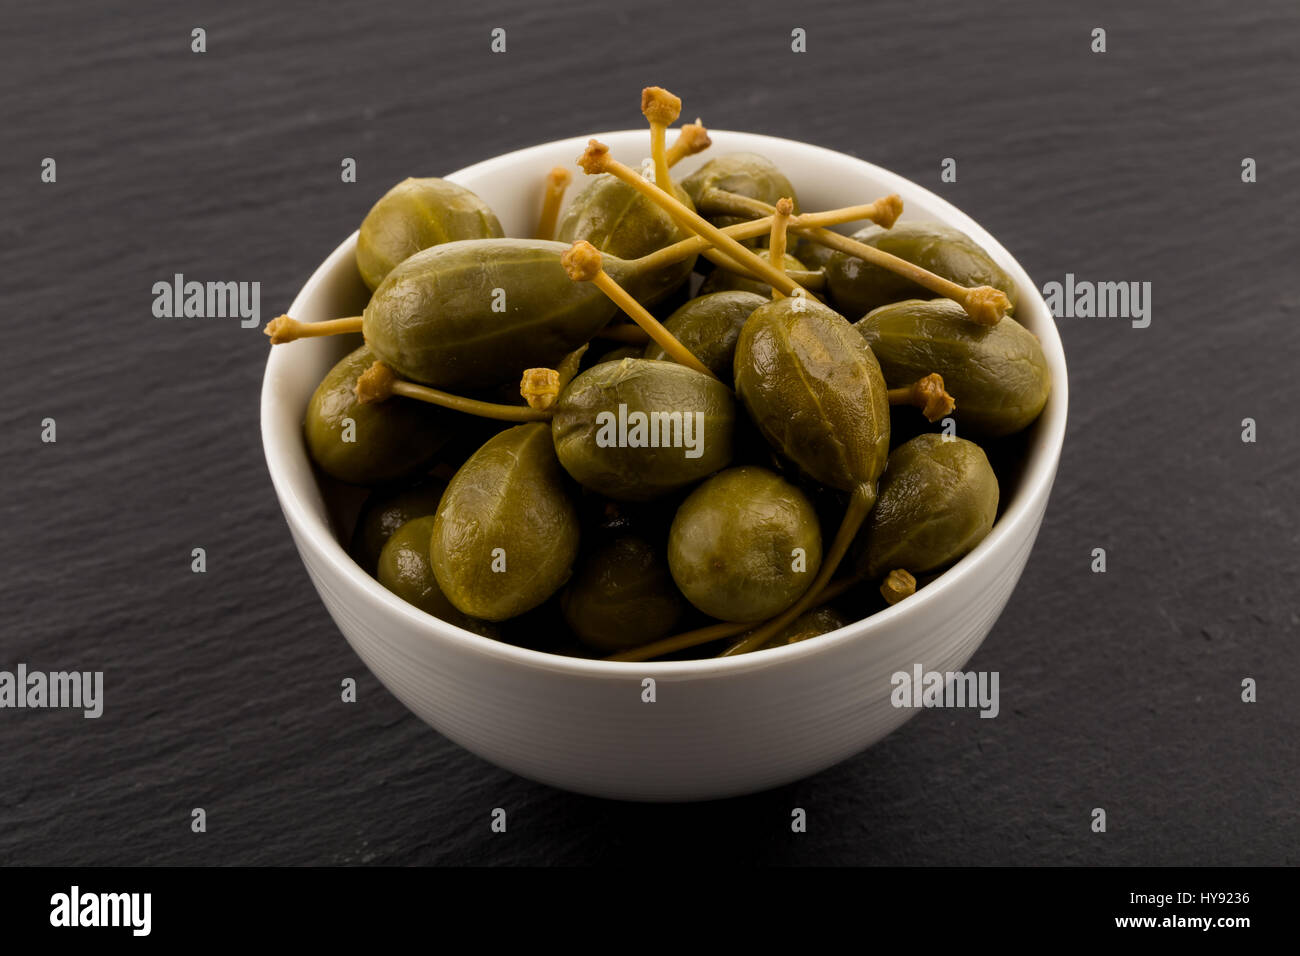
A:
x,y
717,728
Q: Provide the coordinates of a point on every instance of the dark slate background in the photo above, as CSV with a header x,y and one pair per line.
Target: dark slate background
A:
x,y
1118,690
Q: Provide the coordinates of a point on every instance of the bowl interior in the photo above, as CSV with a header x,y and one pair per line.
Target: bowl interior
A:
x,y
511,184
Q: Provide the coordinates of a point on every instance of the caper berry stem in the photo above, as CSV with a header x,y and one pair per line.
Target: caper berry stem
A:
x,y
284,328
883,212
692,138
380,383
570,365
927,394
661,109
557,181
776,244
723,261
813,281
716,202
880,208
723,629
597,160
897,585
583,264
984,304
860,503
721,202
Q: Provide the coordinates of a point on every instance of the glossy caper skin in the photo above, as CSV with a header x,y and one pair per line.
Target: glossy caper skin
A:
x,y
416,214
585,428
622,596
813,623
392,439
709,326
997,375
746,174
386,510
811,253
477,312
405,570
506,533
618,220
815,392
732,545
724,280
856,286
937,500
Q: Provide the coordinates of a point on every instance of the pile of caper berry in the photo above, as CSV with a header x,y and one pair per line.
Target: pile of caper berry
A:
x,y
685,418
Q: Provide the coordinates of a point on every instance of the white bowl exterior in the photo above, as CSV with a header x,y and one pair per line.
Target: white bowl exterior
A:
x,y
717,728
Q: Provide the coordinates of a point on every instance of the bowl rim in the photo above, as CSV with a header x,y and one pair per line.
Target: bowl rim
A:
x,y
312,530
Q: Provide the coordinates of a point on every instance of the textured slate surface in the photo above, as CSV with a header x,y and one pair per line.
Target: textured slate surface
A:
x,y
1118,690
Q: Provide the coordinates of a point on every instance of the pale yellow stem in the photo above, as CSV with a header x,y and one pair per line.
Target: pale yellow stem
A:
x,y
597,160
984,304
557,181
380,383
582,262
748,230
776,244
284,329
691,139
653,327
661,110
